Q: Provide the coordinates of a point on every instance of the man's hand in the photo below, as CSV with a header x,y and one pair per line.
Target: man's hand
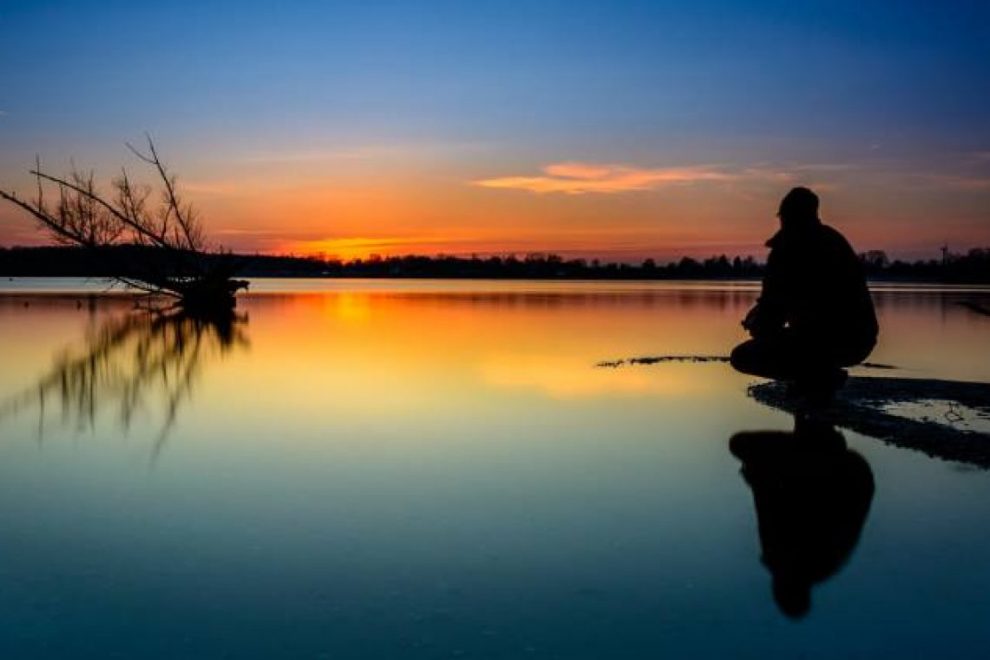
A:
x,y
752,319
760,322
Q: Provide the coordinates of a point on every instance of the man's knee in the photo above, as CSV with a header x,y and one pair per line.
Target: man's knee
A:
x,y
743,357
762,358
853,352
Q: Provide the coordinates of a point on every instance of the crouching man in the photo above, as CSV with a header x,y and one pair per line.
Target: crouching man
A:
x,y
814,315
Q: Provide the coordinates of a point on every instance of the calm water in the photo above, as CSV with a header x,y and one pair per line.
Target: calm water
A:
x,y
434,470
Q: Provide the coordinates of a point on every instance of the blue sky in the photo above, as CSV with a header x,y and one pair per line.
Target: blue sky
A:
x,y
497,89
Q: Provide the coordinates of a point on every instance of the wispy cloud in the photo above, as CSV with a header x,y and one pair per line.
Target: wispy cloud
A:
x,y
365,152
354,247
317,155
955,181
979,157
223,188
827,167
233,231
576,178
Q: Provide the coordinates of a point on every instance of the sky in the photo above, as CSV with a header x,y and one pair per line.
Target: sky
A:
x,y
620,130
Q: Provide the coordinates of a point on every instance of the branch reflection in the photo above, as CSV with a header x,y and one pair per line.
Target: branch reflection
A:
x,y
143,365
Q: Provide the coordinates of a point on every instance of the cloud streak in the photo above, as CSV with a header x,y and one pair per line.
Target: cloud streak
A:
x,y
577,178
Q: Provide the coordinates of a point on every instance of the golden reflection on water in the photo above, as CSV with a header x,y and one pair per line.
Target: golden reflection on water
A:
x,y
390,350
134,366
404,353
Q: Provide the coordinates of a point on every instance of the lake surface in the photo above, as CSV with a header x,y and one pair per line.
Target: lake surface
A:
x,y
423,469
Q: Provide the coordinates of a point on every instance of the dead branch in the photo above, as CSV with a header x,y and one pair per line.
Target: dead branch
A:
x,y
85,216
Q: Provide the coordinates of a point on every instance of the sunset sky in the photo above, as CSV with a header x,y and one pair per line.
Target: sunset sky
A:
x,y
615,129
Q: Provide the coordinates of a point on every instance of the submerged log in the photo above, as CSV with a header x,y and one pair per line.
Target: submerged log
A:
x,y
205,294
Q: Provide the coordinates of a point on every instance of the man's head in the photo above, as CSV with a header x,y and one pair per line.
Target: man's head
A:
x,y
793,595
799,206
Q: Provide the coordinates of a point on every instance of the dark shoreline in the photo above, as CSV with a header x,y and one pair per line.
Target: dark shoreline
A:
x,y
61,261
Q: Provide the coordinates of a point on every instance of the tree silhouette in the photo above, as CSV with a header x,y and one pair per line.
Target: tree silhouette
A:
x,y
74,211
138,363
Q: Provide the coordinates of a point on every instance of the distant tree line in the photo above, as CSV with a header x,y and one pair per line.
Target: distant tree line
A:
x,y
544,266
971,267
60,261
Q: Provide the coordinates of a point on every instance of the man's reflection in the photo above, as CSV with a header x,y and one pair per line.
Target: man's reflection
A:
x,y
812,495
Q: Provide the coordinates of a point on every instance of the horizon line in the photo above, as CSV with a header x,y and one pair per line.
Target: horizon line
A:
x,y
567,255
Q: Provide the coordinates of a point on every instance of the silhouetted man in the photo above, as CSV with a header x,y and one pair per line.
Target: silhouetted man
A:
x,y
814,315
812,496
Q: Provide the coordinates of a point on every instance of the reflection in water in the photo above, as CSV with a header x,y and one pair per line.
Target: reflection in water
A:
x,y
870,406
143,362
397,475
812,495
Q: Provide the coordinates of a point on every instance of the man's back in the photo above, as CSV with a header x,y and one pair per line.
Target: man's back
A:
x,y
818,285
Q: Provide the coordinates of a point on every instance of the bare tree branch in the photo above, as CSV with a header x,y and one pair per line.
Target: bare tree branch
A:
x,y
86,217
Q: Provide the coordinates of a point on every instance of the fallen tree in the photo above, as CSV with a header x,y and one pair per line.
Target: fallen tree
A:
x,y
80,214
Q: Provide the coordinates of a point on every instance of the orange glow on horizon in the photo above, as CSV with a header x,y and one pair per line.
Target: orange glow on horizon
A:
x,y
394,204
575,209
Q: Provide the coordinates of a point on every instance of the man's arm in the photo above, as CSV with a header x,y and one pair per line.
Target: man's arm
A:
x,y
770,313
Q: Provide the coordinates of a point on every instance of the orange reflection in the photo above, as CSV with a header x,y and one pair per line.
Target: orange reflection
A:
x,y
408,358
383,352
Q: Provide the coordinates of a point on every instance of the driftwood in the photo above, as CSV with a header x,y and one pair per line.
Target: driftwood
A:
x,y
657,359
73,211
